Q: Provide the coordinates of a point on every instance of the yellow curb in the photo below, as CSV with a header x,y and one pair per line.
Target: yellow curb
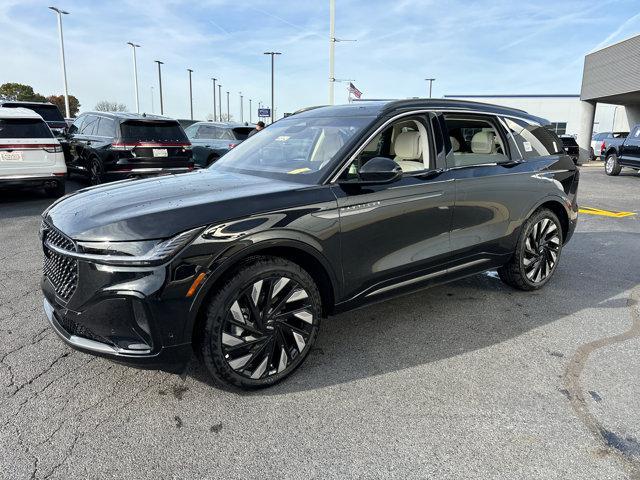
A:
x,y
604,213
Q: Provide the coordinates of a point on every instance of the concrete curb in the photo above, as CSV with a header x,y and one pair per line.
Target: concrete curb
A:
x,y
592,164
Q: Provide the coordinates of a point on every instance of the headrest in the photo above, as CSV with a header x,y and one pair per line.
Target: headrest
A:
x,y
455,144
483,142
407,146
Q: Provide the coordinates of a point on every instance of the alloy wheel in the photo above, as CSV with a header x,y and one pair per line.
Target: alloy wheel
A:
x,y
541,250
267,327
95,173
609,165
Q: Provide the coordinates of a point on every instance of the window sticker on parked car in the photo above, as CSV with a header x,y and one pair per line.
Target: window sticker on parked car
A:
x,y
527,146
299,170
283,138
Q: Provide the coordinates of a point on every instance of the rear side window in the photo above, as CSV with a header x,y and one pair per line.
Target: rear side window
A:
x,y
207,132
152,131
106,127
533,140
24,128
474,141
241,133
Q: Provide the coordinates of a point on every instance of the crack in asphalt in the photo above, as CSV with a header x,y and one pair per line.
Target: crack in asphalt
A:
x,y
627,449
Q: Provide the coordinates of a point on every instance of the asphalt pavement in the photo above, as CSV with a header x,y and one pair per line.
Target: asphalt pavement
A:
x,y
467,380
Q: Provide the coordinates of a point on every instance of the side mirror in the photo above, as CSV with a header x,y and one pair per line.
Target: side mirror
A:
x,y
379,170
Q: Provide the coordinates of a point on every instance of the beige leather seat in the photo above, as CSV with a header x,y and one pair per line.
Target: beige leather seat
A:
x,y
484,142
408,148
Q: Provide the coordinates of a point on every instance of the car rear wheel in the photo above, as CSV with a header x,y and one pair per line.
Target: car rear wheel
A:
x,y
611,165
95,171
261,324
212,159
537,252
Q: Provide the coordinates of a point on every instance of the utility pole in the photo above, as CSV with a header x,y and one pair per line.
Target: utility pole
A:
x,y
135,74
62,60
250,112
228,116
190,92
153,108
214,98
241,109
219,102
430,80
160,85
273,102
332,48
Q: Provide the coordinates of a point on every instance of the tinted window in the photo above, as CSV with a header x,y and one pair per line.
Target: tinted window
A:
x,y
152,131
106,127
89,125
533,140
569,142
49,112
207,132
77,124
474,141
24,128
241,133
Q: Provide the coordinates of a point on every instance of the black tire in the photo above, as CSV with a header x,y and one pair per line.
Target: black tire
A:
x,y
231,331
212,159
57,191
96,171
539,246
611,165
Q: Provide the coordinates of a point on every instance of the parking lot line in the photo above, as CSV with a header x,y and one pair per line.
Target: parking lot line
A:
x,y
604,213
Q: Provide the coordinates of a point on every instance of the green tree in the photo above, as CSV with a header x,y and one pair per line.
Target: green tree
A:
x,y
58,101
19,91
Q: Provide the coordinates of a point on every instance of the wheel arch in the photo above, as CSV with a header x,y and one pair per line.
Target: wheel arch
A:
x,y
558,207
295,251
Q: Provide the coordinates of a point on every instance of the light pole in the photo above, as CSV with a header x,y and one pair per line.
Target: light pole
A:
x,y
135,74
250,112
64,67
190,92
430,80
241,109
228,116
273,105
153,108
160,84
219,102
214,98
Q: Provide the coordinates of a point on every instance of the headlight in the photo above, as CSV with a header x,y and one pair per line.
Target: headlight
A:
x,y
148,252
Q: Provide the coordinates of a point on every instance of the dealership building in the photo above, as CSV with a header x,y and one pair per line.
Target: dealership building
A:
x,y
563,111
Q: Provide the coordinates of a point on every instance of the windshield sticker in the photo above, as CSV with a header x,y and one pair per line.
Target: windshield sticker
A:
x,y
527,147
283,138
299,170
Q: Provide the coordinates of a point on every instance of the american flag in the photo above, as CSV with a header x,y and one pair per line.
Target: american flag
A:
x,y
352,89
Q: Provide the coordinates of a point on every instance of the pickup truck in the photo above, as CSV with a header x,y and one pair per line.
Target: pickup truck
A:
x,y
622,152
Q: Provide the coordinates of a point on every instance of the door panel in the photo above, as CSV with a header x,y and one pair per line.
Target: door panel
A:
x,y
393,230
630,151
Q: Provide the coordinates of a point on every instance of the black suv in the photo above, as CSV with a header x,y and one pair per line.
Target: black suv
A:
x,y
112,146
48,111
323,211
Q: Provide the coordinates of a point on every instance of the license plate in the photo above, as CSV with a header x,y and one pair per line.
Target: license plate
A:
x,y
160,152
11,156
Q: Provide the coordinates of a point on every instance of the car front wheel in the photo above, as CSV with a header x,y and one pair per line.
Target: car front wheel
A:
x,y
261,324
537,252
611,165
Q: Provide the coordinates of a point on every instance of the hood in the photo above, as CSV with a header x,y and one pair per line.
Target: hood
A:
x,y
161,207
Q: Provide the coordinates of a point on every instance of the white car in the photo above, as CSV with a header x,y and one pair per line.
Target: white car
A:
x,y
30,155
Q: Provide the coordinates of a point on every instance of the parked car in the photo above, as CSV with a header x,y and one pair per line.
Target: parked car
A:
x,y
623,152
111,146
212,140
600,140
571,147
322,212
30,156
48,111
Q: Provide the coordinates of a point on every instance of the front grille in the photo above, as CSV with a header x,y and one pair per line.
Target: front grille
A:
x,y
74,328
62,271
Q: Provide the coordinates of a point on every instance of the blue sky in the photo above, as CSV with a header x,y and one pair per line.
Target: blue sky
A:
x,y
470,47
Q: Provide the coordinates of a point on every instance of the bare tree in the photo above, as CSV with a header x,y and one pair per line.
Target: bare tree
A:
x,y
226,118
107,106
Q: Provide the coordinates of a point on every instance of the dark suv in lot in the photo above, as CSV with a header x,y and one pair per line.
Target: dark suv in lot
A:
x,y
323,211
48,111
211,140
112,146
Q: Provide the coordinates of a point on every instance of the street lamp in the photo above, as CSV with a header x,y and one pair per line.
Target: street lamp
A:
x,y
135,74
190,92
228,116
153,108
160,84
214,98
430,80
241,109
250,112
219,102
273,105
64,67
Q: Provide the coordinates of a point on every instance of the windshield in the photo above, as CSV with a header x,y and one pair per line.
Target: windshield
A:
x,y
152,131
293,149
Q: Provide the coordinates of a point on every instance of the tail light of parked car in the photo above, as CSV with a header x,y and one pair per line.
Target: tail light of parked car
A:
x,y
130,146
56,148
232,145
602,147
